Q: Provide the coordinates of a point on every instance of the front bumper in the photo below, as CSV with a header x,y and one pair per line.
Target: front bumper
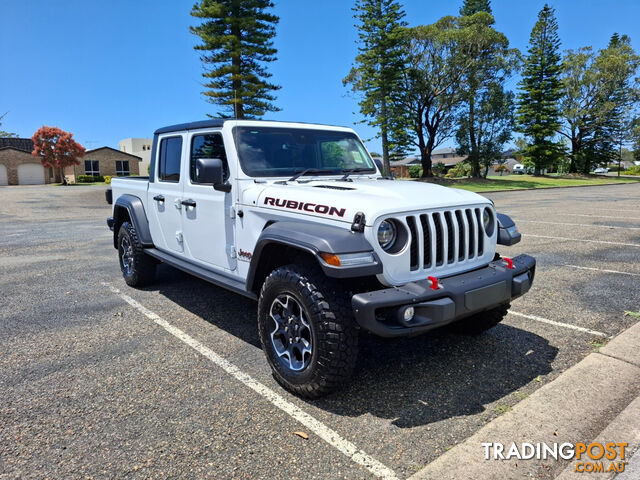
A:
x,y
380,311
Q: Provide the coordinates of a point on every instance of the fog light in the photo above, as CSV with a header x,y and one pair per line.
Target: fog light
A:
x,y
408,314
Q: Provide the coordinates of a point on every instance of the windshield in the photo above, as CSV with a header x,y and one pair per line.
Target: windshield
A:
x,y
283,152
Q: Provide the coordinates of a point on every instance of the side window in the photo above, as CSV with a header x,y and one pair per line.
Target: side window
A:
x,y
170,153
208,145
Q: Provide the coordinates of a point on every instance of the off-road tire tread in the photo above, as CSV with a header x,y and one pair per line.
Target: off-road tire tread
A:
x,y
144,266
336,330
481,322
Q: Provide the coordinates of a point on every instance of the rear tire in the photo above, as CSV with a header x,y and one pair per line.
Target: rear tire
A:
x,y
307,330
481,322
138,268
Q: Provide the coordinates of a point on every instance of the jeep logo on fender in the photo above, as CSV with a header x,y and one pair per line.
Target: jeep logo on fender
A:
x,y
306,207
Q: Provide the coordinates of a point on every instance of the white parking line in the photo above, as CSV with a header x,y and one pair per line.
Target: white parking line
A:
x,y
581,240
577,224
603,270
559,324
327,434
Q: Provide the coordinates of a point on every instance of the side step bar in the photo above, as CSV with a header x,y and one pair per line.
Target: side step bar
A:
x,y
200,272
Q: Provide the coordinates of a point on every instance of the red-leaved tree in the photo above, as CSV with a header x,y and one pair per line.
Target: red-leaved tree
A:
x,y
56,148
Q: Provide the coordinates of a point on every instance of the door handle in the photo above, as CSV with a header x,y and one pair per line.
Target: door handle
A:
x,y
159,198
189,203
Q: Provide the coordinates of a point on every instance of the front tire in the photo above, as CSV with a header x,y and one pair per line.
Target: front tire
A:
x,y
138,268
481,322
307,330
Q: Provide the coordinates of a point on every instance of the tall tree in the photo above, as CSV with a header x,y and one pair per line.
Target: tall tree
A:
x,y
471,7
492,64
57,149
237,44
538,113
377,68
581,102
617,67
635,138
493,122
438,62
598,95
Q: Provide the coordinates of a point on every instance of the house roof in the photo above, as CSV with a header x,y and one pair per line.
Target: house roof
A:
x,y
24,144
410,160
16,149
109,148
442,151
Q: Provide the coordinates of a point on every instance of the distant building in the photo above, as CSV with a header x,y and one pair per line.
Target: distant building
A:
x,y
19,167
105,161
448,156
140,147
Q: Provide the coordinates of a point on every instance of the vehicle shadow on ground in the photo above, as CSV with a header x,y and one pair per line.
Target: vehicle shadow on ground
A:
x,y
413,381
439,375
226,310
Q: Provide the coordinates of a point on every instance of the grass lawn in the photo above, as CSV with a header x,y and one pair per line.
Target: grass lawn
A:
x,y
513,182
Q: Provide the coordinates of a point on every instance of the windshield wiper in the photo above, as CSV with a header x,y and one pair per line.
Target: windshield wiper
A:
x,y
349,171
310,170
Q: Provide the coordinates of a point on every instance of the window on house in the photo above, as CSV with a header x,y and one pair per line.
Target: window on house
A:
x,y
209,145
92,167
170,153
122,168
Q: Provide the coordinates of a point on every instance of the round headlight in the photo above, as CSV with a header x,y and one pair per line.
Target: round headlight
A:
x,y
386,234
487,221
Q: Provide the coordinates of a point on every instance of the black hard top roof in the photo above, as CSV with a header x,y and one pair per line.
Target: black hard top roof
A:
x,y
212,122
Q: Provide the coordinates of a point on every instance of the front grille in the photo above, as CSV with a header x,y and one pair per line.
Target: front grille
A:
x,y
445,238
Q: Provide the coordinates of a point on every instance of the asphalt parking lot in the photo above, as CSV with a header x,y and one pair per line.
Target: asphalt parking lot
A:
x,y
92,385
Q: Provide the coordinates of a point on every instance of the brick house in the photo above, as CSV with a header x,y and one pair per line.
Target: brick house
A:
x,y
105,161
19,167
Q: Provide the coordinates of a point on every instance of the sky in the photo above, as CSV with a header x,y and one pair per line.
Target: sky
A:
x,y
109,70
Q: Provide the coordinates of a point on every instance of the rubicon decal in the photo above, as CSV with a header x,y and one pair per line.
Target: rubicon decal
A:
x,y
305,207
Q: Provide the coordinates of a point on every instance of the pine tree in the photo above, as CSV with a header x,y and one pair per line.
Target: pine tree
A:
x,y
236,46
377,68
471,7
538,113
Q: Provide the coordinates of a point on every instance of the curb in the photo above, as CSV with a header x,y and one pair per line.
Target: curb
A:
x,y
596,397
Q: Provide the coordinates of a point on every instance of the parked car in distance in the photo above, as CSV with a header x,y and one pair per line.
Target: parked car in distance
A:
x,y
601,170
518,168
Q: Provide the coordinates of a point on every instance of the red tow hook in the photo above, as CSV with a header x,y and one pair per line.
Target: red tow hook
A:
x,y
434,283
509,262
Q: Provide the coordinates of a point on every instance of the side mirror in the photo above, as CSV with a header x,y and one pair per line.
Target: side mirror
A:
x,y
211,170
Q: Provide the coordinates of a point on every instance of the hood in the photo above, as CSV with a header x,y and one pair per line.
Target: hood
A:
x,y
342,200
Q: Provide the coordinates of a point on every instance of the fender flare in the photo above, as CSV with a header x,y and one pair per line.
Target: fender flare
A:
x,y
138,216
314,238
507,231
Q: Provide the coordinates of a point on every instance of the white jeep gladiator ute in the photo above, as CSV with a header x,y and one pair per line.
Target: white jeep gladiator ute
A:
x,y
298,217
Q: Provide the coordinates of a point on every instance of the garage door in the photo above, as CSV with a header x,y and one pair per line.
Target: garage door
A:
x,y
30,174
3,175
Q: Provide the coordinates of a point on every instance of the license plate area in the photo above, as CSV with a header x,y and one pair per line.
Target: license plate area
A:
x,y
484,297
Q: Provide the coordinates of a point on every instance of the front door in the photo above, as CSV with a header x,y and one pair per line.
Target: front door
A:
x,y
165,195
208,227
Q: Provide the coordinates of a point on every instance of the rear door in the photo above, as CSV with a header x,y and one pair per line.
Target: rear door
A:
x,y
165,194
208,226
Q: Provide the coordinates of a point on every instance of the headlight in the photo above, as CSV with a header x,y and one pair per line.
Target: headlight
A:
x,y
387,234
487,221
